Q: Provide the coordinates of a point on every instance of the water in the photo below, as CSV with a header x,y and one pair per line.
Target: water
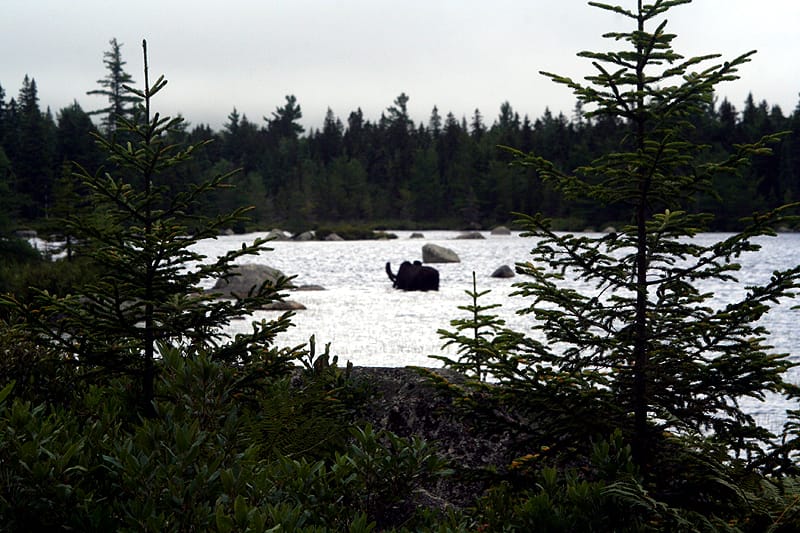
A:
x,y
369,323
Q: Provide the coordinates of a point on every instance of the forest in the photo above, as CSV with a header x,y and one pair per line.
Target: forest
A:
x,y
450,172
124,406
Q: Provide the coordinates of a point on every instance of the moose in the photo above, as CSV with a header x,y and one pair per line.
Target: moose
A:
x,y
414,277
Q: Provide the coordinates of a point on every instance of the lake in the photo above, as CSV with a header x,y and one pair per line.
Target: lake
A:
x,y
369,323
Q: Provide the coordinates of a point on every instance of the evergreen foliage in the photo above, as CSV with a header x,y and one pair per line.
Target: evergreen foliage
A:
x,y
444,173
645,340
481,338
30,146
121,101
640,349
197,466
149,293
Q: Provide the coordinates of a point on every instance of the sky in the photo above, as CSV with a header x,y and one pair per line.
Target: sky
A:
x,y
457,55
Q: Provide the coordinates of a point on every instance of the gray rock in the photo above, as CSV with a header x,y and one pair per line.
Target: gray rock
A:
x,y
504,271
471,235
309,288
417,235
433,253
247,276
277,235
26,233
405,402
501,230
333,237
284,305
305,236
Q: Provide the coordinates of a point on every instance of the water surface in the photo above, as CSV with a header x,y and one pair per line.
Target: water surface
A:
x,y
369,323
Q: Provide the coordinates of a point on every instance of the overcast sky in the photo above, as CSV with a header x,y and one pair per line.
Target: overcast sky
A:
x,y
458,55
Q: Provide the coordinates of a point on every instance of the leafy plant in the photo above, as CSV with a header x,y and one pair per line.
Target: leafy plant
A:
x,y
392,469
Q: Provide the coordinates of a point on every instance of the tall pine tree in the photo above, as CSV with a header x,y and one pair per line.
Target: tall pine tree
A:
x,y
121,101
643,347
32,152
648,343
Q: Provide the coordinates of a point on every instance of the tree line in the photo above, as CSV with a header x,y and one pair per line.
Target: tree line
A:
x,y
448,172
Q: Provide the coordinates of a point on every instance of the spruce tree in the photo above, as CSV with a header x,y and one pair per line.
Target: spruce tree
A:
x,y
121,101
649,341
31,150
642,345
284,121
7,207
149,296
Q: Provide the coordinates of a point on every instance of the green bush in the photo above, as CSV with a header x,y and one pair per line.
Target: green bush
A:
x,y
40,375
16,257
51,467
199,465
58,278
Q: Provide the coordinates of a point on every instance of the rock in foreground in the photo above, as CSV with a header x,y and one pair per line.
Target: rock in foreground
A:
x,y
403,401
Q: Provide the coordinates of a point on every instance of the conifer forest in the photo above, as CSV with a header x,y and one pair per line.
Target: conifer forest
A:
x,y
124,406
448,172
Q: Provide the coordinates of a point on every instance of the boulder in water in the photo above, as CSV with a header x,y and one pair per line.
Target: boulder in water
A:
x,y
305,236
433,253
246,277
503,271
309,288
284,305
470,235
277,235
501,230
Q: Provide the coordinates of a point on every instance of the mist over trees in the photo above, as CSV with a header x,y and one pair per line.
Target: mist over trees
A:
x,y
446,172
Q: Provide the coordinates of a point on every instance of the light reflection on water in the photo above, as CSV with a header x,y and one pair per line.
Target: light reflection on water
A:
x,y
369,323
